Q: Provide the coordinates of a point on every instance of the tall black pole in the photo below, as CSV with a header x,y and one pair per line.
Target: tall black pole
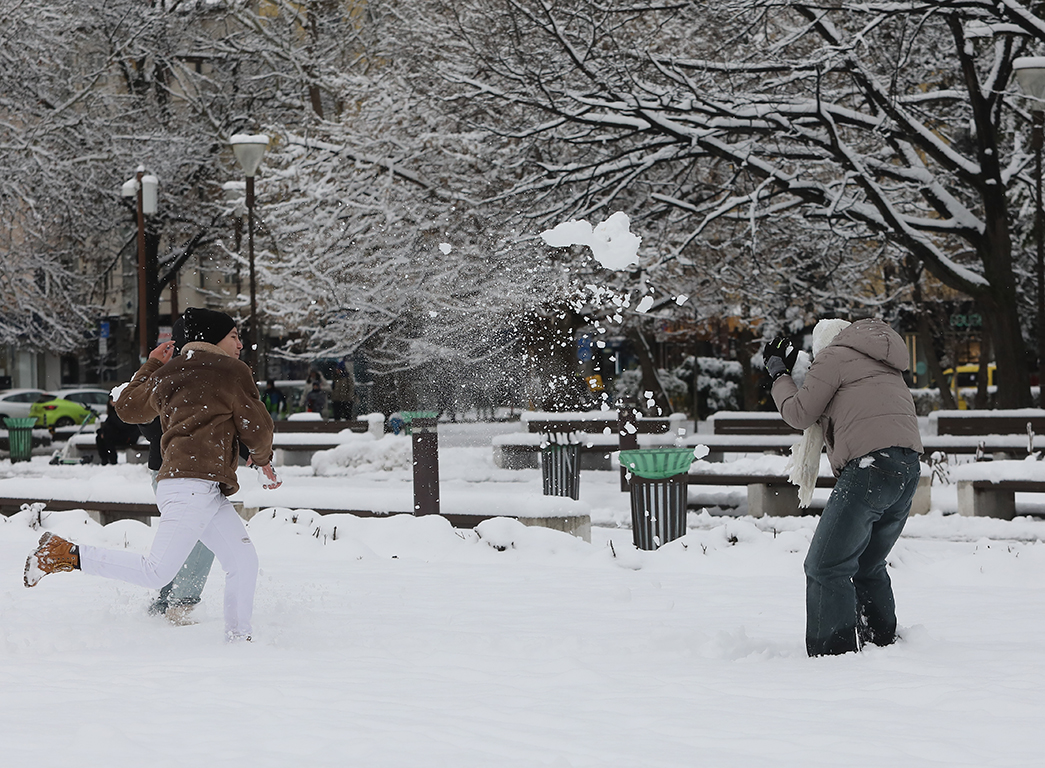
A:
x,y
252,340
1038,138
143,297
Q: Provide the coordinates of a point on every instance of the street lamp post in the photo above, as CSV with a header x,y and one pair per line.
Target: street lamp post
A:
x,y
144,187
249,149
1030,72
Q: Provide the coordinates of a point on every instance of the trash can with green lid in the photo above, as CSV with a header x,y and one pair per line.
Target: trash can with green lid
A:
x,y
20,438
409,416
561,465
658,493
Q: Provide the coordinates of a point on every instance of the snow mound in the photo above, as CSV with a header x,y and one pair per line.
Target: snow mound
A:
x,y
364,451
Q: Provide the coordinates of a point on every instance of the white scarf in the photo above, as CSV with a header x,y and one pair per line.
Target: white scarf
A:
x,y
804,464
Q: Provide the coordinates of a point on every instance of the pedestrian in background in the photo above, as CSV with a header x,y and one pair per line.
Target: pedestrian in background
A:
x,y
113,434
275,401
343,393
316,399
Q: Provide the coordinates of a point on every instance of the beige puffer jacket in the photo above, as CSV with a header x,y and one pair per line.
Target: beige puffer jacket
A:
x,y
208,403
856,390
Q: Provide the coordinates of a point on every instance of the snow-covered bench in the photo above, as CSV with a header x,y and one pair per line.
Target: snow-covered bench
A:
x,y
595,422
522,450
988,489
598,433
291,448
996,422
770,494
749,423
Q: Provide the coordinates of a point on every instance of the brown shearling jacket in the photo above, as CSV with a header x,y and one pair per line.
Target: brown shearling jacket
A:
x,y
208,403
856,390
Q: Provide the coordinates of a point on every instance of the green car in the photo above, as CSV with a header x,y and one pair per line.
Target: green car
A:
x,y
51,411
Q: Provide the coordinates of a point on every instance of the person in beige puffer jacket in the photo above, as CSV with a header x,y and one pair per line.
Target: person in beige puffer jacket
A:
x,y
856,391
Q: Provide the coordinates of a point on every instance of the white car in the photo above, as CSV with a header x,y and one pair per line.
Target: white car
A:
x,y
15,403
93,398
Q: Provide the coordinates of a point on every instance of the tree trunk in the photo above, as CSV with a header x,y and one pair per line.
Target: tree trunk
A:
x,y
650,380
1010,353
695,387
981,401
925,334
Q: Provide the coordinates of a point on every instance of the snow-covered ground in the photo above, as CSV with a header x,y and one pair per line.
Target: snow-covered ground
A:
x,y
404,642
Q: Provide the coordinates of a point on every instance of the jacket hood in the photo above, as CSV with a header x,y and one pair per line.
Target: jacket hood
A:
x,y
825,331
876,340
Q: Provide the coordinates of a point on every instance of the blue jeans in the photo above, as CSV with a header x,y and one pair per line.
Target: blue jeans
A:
x,y
848,592
187,586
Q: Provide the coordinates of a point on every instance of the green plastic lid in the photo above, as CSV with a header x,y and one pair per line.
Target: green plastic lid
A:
x,y
657,463
16,423
409,416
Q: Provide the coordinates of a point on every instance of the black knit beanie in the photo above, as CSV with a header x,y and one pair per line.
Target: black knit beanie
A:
x,y
206,325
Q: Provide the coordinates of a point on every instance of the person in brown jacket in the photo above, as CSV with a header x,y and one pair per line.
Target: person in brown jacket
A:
x,y
208,403
856,391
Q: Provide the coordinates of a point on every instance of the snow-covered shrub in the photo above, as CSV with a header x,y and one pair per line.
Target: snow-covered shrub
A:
x,y
926,400
366,453
718,384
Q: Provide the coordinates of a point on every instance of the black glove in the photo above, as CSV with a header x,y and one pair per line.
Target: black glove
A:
x,y
780,356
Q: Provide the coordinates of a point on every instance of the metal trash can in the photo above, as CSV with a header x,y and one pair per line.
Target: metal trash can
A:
x,y
658,494
561,465
409,416
20,438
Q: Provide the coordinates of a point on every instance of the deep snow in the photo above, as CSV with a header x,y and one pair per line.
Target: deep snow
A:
x,y
404,642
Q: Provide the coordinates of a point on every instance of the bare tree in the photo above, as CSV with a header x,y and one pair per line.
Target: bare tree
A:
x,y
864,120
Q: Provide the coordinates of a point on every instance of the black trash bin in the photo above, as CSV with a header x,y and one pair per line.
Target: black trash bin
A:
x,y
561,465
20,438
658,494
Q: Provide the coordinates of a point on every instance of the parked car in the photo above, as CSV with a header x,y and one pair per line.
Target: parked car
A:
x,y
90,396
15,403
964,388
51,411
968,375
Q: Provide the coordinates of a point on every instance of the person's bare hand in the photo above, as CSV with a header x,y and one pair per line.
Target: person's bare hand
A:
x,y
164,352
272,481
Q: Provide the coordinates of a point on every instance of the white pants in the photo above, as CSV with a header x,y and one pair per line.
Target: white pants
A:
x,y
190,510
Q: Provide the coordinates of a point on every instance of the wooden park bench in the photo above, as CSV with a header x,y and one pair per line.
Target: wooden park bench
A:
x,y
596,422
994,422
750,423
332,426
775,496
991,434
597,432
293,441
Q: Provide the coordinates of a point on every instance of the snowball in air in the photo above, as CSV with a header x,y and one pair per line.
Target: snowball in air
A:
x,y
611,242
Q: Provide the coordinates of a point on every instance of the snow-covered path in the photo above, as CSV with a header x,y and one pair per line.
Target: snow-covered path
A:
x,y
403,642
